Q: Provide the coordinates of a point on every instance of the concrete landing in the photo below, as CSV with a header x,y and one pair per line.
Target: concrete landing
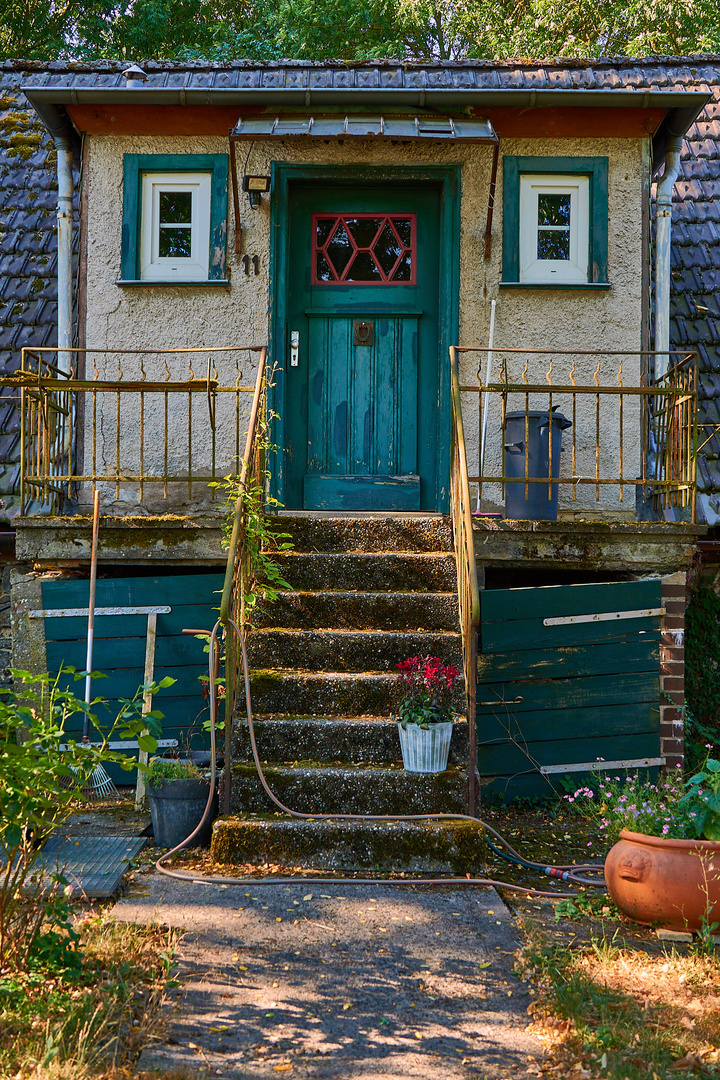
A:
x,y
373,982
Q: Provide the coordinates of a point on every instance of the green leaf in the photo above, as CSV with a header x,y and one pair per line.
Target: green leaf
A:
x,y
147,744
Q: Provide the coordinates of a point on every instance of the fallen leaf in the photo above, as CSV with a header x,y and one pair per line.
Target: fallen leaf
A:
x,y
283,1068
487,964
235,956
242,967
308,897
687,1022
278,919
219,1027
347,1005
418,1035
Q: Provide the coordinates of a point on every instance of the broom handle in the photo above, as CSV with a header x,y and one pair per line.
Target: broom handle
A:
x,y
91,611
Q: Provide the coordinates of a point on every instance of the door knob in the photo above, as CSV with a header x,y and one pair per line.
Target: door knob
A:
x,y
294,347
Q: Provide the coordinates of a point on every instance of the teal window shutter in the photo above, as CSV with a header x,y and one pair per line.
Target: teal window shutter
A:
x,y
135,166
596,170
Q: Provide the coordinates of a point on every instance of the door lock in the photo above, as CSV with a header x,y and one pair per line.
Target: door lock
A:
x,y
362,332
294,347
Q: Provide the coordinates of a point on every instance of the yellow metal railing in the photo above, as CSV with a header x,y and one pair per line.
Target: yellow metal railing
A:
x,y
131,420
635,431
467,580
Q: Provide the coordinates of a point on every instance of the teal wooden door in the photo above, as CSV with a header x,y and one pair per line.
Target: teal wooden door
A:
x,y
568,675
362,364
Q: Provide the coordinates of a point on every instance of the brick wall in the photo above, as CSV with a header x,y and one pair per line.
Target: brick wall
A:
x,y
672,669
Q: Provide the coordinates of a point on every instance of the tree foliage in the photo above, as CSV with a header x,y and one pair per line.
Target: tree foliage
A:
x,y
354,30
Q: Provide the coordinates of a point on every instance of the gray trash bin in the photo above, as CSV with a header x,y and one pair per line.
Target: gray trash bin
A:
x,y
539,504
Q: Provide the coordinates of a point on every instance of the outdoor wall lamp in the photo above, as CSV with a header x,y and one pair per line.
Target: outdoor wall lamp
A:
x,y
256,187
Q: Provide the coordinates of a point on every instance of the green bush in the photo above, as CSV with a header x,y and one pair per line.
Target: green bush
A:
x,y
39,783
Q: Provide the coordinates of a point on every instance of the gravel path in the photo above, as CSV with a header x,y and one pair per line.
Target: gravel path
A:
x,y
354,982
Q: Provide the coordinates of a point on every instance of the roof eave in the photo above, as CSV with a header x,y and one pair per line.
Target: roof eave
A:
x,y
682,106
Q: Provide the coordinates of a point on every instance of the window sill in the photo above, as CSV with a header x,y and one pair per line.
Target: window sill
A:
x,y
210,283
602,286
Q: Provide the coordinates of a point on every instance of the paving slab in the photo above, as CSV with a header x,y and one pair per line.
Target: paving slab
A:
x,y
369,982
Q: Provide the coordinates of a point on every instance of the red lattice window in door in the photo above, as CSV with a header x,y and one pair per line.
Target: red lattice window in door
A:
x,y
369,249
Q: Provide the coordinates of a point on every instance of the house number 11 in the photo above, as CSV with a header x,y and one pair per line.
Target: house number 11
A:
x,y
255,260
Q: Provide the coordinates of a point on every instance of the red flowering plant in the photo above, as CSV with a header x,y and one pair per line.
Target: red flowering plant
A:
x,y
425,688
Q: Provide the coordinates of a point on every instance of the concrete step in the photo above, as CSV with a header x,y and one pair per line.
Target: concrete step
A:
x,y
453,847
328,693
400,611
368,740
382,571
367,532
325,788
348,650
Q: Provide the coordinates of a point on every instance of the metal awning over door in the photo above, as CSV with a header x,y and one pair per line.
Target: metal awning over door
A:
x,y
424,128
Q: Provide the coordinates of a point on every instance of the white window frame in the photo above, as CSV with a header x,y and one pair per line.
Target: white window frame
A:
x,y
550,271
196,267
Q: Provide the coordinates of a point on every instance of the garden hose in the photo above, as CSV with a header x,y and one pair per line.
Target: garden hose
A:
x,y
221,880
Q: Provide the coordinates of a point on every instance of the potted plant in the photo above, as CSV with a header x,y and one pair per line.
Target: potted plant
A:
x,y
424,712
665,866
178,793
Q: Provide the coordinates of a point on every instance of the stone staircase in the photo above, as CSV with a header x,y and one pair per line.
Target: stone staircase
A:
x,y
367,593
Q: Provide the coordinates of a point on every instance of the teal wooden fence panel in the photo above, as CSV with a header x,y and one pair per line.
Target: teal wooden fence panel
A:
x,y
587,690
119,649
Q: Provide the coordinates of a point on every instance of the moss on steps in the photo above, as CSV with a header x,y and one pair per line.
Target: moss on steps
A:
x,y
455,847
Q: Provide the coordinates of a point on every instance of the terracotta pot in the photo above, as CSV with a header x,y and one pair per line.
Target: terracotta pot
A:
x,y
675,883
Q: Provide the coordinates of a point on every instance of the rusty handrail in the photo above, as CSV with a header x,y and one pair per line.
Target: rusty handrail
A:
x,y
468,591
240,503
236,569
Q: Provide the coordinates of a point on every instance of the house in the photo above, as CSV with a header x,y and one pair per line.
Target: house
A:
x,y
361,221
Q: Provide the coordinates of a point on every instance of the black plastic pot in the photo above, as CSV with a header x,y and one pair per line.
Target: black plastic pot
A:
x,y
176,807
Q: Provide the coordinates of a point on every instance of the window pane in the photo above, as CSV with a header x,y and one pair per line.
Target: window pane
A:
x,y
404,230
403,272
323,229
324,273
364,230
388,249
175,242
364,268
340,249
554,209
553,244
175,207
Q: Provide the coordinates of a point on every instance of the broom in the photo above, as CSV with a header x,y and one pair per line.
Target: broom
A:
x,y
100,786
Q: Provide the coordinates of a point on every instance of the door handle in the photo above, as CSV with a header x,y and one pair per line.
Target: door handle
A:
x,y
294,347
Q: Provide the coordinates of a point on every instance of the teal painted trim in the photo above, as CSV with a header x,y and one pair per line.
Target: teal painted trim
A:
x,y
134,165
596,168
134,283
588,286
282,176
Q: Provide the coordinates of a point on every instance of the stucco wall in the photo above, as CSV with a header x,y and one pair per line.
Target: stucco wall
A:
x,y
170,317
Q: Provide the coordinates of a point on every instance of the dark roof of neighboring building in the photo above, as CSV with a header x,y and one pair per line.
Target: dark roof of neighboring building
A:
x,y
28,257
695,278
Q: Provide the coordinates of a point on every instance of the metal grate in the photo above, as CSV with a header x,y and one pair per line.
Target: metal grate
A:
x,y
93,865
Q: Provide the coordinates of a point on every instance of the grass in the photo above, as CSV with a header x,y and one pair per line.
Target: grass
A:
x,y
609,999
604,1010
91,1018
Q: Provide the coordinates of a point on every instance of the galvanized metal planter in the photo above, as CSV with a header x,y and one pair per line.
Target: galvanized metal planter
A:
x,y
425,750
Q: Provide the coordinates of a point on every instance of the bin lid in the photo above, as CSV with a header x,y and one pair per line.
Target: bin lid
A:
x,y
539,414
